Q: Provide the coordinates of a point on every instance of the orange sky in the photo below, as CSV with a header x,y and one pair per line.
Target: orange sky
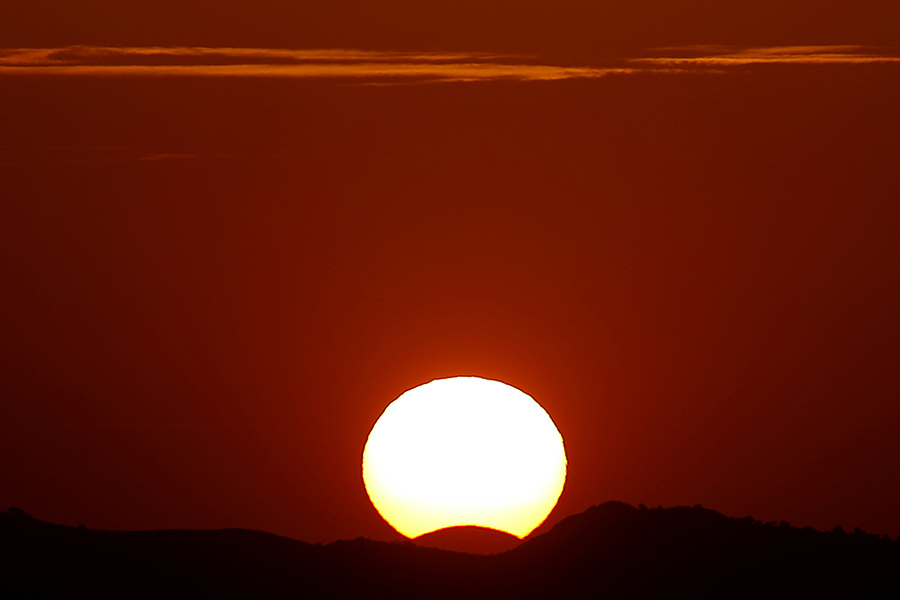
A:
x,y
231,235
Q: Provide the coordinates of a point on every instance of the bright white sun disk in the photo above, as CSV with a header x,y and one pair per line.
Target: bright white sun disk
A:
x,y
464,451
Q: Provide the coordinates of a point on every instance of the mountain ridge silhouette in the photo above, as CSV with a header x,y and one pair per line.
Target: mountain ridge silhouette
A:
x,y
613,550
469,538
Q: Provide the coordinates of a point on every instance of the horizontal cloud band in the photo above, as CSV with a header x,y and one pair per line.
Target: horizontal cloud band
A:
x,y
260,62
721,56
381,66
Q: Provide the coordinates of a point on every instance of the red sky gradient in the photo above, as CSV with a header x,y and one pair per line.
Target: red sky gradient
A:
x,y
221,265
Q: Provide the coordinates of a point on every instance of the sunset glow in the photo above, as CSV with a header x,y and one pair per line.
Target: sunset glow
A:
x,y
235,232
464,451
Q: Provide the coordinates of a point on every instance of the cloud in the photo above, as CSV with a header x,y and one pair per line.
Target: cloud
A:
x,y
391,68
724,56
196,56
260,62
91,155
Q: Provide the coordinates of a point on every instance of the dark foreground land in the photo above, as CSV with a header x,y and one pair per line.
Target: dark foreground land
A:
x,y
610,551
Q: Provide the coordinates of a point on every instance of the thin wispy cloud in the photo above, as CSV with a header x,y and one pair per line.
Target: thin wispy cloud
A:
x,y
391,68
195,56
259,62
92,155
723,56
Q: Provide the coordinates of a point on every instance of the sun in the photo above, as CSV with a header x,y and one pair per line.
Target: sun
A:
x,y
464,451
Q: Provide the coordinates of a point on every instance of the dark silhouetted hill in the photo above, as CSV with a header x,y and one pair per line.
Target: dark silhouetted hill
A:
x,y
477,540
610,551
